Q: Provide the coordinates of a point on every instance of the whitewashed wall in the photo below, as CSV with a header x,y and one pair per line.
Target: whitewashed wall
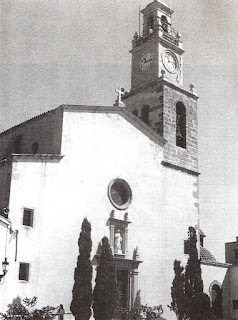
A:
x,y
97,148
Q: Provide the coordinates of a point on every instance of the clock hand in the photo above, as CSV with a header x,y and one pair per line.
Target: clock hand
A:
x,y
148,60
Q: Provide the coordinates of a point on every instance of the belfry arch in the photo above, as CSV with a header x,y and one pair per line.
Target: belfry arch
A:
x,y
181,125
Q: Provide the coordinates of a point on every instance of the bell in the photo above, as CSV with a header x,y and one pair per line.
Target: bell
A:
x,y
178,133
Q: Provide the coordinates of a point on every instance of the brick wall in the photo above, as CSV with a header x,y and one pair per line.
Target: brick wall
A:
x,y
187,158
162,98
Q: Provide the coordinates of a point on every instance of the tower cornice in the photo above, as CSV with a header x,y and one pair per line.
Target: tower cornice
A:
x,y
154,38
161,81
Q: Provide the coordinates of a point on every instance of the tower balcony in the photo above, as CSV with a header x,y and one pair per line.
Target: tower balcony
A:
x,y
162,30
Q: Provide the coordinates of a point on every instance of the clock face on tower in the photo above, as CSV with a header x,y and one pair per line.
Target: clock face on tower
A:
x,y
146,61
170,61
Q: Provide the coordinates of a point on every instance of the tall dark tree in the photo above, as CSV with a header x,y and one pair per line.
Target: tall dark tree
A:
x,y
105,290
200,308
188,299
179,303
197,302
82,290
193,274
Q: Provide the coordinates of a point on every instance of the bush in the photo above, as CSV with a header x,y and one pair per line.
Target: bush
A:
x,y
146,312
27,311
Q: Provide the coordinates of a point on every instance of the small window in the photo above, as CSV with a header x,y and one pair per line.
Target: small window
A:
x,y
135,112
24,271
35,147
236,254
201,240
145,111
17,145
28,217
235,304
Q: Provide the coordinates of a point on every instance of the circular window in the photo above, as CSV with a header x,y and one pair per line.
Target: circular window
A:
x,y
119,193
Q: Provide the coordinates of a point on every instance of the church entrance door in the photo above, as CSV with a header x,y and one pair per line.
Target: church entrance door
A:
x,y
123,290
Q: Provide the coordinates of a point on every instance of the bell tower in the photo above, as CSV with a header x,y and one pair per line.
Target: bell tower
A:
x,y
157,95
158,50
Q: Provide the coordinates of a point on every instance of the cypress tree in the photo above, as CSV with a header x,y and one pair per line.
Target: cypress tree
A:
x,y
179,303
193,277
82,290
105,290
188,299
200,308
197,302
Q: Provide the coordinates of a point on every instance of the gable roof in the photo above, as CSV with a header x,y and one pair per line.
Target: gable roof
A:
x,y
123,112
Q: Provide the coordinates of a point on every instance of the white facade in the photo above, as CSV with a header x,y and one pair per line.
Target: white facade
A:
x,y
64,190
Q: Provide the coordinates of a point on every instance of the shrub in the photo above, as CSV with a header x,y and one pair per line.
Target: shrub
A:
x,y
27,311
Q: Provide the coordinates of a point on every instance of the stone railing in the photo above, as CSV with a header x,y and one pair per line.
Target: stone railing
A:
x,y
163,30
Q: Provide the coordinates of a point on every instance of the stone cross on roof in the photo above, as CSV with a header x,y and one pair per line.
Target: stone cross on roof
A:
x,y
120,92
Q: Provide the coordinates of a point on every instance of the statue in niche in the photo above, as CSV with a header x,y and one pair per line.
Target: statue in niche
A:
x,y
118,242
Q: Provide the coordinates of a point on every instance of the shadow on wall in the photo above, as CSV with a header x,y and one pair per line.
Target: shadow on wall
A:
x,y
226,298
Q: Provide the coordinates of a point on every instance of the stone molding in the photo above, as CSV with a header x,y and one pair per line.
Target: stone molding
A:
x,y
36,157
162,81
158,39
216,264
173,166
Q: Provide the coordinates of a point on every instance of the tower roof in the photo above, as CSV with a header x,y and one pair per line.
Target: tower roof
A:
x,y
157,5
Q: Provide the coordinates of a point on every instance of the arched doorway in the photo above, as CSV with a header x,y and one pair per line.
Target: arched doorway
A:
x,y
216,299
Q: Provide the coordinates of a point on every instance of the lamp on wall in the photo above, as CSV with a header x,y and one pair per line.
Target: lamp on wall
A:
x,y
5,264
6,212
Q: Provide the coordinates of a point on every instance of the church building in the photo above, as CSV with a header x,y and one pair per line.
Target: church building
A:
x,y
131,169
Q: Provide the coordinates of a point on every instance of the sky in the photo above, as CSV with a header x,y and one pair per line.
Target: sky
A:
x,y
57,52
